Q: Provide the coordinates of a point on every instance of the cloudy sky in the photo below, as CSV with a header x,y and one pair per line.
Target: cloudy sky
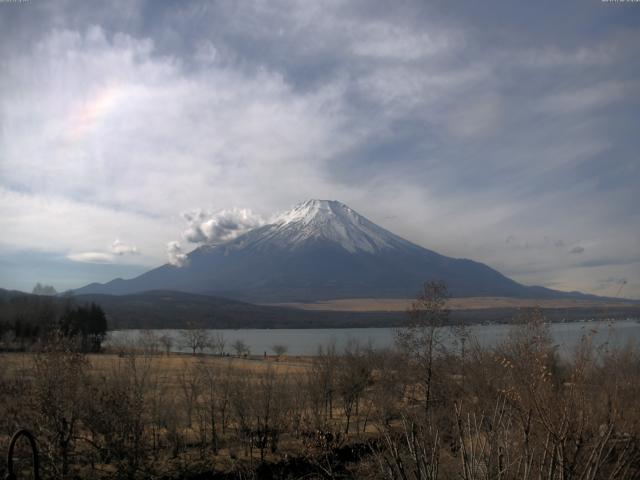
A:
x,y
506,132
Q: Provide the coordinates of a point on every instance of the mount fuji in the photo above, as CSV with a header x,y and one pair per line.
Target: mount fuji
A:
x,y
321,250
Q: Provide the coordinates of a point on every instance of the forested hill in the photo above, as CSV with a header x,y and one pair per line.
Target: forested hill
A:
x,y
170,309
28,319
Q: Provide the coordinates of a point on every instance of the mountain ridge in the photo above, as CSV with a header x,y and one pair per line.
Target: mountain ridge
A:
x,y
319,250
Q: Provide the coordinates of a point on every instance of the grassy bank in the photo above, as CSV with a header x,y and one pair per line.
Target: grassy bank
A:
x,y
421,411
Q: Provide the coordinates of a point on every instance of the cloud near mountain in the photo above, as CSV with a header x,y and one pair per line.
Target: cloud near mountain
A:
x,y
177,257
212,228
319,249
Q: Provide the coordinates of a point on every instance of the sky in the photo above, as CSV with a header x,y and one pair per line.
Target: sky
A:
x,y
506,132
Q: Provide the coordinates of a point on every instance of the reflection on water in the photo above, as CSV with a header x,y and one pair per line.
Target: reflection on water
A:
x,y
306,341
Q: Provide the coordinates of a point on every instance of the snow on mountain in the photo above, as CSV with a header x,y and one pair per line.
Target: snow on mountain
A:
x,y
320,250
324,221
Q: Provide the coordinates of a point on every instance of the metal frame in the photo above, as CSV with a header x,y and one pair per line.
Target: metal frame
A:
x,y
34,451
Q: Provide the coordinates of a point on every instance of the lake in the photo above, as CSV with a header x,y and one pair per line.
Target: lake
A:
x,y
306,341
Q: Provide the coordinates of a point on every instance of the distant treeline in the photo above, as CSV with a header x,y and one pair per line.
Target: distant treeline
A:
x,y
170,309
29,319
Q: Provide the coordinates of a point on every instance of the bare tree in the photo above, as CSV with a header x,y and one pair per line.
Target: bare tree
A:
x,y
116,413
218,343
353,376
269,408
321,386
58,381
215,387
195,339
190,386
148,342
279,349
167,342
240,347
422,335
411,453
240,403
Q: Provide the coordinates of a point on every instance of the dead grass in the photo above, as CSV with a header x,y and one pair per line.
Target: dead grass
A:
x,y
467,303
172,366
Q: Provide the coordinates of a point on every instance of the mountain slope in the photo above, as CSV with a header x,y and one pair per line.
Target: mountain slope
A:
x,y
320,250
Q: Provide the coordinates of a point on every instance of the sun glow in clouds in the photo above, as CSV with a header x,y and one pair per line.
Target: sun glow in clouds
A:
x,y
435,124
88,117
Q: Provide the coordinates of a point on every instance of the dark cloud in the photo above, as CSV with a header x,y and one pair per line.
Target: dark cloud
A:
x,y
577,249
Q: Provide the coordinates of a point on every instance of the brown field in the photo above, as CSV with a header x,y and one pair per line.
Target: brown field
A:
x,y
177,379
468,303
173,365
139,414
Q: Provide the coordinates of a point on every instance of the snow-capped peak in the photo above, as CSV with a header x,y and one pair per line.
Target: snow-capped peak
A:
x,y
305,212
332,221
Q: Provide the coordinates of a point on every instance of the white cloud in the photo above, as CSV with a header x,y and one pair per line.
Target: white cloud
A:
x,y
91,257
110,135
599,95
475,118
219,227
121,127
383,40
554,57
121,248
51,223
176,255
118,249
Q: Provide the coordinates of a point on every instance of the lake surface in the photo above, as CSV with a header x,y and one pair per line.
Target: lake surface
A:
x,y
307,341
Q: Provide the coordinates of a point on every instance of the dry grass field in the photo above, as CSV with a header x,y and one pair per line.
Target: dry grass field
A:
x,y
172,366
516,411
177,395
469,303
